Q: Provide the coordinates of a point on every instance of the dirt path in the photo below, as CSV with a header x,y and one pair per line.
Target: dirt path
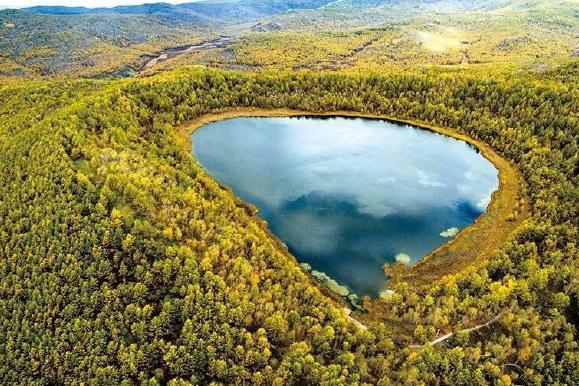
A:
x,y
466,330
355,322
169,53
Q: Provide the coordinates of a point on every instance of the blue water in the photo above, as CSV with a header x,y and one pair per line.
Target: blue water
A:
x,y
350,194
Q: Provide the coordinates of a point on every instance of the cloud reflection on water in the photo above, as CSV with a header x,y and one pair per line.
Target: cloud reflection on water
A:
x,y
353,191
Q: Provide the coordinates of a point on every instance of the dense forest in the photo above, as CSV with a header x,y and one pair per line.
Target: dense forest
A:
x,y
123,262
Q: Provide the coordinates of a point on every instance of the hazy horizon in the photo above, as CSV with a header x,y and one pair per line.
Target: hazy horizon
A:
x,y
83,3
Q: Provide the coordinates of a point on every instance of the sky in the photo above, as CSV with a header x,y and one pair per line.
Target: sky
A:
x,y
81,3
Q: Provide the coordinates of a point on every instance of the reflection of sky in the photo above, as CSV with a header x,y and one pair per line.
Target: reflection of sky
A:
x,y
320,182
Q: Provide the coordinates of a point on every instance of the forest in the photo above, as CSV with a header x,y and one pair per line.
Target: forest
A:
x,y
123,262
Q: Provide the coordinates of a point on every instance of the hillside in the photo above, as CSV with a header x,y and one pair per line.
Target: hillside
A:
x,y
48,45
209,12
123,261
56,41
50,41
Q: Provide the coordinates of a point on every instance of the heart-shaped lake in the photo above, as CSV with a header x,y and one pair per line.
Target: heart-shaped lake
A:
x,y
349,194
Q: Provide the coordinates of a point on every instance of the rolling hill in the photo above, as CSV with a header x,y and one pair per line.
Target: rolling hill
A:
x,y
60,41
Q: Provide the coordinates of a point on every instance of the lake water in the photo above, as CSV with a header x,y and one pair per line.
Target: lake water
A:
x,y
349,194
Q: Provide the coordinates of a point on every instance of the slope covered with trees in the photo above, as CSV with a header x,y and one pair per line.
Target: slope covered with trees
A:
x,y
291,34
33,45
122,261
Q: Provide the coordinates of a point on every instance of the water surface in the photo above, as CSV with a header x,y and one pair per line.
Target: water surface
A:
x,y
349,194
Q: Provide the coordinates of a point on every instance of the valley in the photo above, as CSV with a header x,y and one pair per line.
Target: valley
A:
x,y
306,35
170,53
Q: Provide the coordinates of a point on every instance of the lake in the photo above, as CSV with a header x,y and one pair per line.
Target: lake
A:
x,y
349,194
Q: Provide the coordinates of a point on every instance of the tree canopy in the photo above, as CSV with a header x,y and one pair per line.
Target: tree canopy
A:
x,y
123,262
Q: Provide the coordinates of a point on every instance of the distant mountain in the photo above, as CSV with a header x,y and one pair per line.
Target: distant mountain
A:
x,y
447,5
87,41
51,40
208,12
343,14
47,44
57,10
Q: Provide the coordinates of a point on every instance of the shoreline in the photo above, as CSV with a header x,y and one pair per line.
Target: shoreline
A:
x,y
462,251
